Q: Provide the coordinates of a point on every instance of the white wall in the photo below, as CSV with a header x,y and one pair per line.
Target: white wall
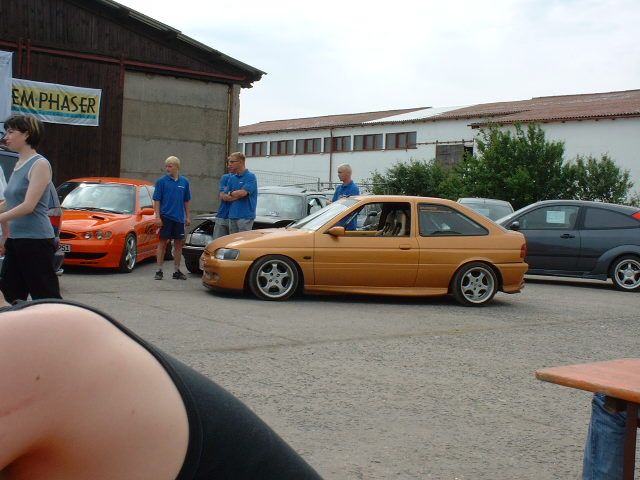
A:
x,y
615,137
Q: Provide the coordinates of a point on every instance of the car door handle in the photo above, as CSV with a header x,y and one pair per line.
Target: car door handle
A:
x,y
404,246
567,235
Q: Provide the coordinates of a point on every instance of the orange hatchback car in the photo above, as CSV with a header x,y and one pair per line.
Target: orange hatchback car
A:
x,y
380,245
107,222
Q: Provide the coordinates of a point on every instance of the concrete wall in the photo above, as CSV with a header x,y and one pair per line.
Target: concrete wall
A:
x,y
615,137
165,116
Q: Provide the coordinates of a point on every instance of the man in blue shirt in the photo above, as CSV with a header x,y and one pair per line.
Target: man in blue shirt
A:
x,y
243,194
348,187
171,199
221,227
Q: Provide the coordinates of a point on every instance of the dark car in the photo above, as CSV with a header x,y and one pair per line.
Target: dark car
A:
x,y
489,207
574,238
277,207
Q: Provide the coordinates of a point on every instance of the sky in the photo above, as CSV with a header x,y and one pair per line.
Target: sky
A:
x,y
333,57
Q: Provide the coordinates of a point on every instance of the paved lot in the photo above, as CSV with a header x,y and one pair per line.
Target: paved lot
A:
x,y
375,388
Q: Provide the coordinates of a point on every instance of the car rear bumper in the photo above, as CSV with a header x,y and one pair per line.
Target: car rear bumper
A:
x,y
512,276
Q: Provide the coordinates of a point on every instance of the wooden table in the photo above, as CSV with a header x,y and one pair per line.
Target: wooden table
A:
x,y
618,379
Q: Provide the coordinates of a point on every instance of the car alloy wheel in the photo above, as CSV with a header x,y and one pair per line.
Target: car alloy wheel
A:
x,y
625,273
274,277
129,254
475,284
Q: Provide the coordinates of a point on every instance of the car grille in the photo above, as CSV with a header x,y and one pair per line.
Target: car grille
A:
x,y
67,235
84,255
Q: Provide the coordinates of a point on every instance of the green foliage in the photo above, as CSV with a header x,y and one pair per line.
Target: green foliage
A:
x,y
588,178
416,177
521,168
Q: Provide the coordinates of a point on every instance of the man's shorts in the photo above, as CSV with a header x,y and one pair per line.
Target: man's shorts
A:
x,y
171,229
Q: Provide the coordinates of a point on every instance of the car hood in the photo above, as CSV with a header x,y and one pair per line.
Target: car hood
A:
x,y
80,220
267,237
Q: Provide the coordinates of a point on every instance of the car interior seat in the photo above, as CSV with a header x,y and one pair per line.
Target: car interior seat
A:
x,y
400,224
388,225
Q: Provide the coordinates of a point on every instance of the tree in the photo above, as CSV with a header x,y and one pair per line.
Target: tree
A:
x,y
416,177
521,168
588,178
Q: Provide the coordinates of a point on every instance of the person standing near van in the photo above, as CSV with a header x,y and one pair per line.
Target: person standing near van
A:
x,y
28,239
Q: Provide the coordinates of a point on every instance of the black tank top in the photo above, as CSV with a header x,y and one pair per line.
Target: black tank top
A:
x,y
226,439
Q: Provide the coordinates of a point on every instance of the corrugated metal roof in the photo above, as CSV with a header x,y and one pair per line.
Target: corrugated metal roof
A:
x,y
539,109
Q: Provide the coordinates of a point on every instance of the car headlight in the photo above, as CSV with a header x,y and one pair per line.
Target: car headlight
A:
x,y
98,234
227,254
199,239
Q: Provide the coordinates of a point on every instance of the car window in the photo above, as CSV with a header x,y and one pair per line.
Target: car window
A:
x,y
145,198
555,217
313,205
597,218
107,197
64,188
489,210
321,217
441,220
379,219
279,205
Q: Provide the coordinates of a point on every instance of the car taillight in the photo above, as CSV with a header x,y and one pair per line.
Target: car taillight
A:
x,y
523,250
636,215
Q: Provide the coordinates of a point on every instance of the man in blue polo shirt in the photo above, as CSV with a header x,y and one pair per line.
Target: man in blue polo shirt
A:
x,y
348,187
242,195
171,199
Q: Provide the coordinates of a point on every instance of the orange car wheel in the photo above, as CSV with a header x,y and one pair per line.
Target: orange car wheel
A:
x,y
129,254
274,277
474,284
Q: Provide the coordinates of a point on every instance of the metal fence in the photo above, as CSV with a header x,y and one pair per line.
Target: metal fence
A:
x,y
278,179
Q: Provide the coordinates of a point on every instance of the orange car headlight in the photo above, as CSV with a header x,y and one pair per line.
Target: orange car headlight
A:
x,y
98,235
227,254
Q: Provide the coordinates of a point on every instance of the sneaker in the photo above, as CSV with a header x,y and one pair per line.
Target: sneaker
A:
x,y
178,275
159,275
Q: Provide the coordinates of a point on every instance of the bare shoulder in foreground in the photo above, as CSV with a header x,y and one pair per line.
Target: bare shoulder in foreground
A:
x,y
76,394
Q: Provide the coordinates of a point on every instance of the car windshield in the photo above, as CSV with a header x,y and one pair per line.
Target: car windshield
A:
x,y
101,197
317,219
279,205
493,212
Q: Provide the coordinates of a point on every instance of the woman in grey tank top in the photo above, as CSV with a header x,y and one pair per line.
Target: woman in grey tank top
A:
x,y
27,235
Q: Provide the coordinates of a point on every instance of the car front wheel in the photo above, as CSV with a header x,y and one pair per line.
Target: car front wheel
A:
x,y
129,254
274,278
625,273
475,284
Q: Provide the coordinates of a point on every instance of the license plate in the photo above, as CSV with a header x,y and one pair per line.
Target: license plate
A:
x,y
65,247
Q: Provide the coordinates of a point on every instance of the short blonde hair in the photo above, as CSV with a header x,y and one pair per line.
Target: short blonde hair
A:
x,y
345,166
237,155
174,160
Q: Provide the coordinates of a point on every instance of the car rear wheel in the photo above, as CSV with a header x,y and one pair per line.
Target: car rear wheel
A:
x,y
475,284
625,273
129,254
274,278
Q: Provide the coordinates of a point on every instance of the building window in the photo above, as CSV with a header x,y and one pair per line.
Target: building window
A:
x,y
337,144
367,142
308,145
400,141
453,153
282,147
255,149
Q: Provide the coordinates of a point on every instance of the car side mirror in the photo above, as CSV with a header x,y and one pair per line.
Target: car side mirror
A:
x,y
515,225
336,231
147,211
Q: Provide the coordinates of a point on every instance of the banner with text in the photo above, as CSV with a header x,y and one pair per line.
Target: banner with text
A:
x,y
5,85
55,103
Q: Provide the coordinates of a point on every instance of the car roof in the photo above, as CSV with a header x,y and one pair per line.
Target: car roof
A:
x,y
586,203
124,181
492,201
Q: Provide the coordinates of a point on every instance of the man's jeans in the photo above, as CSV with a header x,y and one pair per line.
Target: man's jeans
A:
x,y
604,450
221,228
240,224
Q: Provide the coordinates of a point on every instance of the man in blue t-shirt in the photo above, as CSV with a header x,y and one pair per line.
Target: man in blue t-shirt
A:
x,y
221,227
242,194
171,199
348,187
